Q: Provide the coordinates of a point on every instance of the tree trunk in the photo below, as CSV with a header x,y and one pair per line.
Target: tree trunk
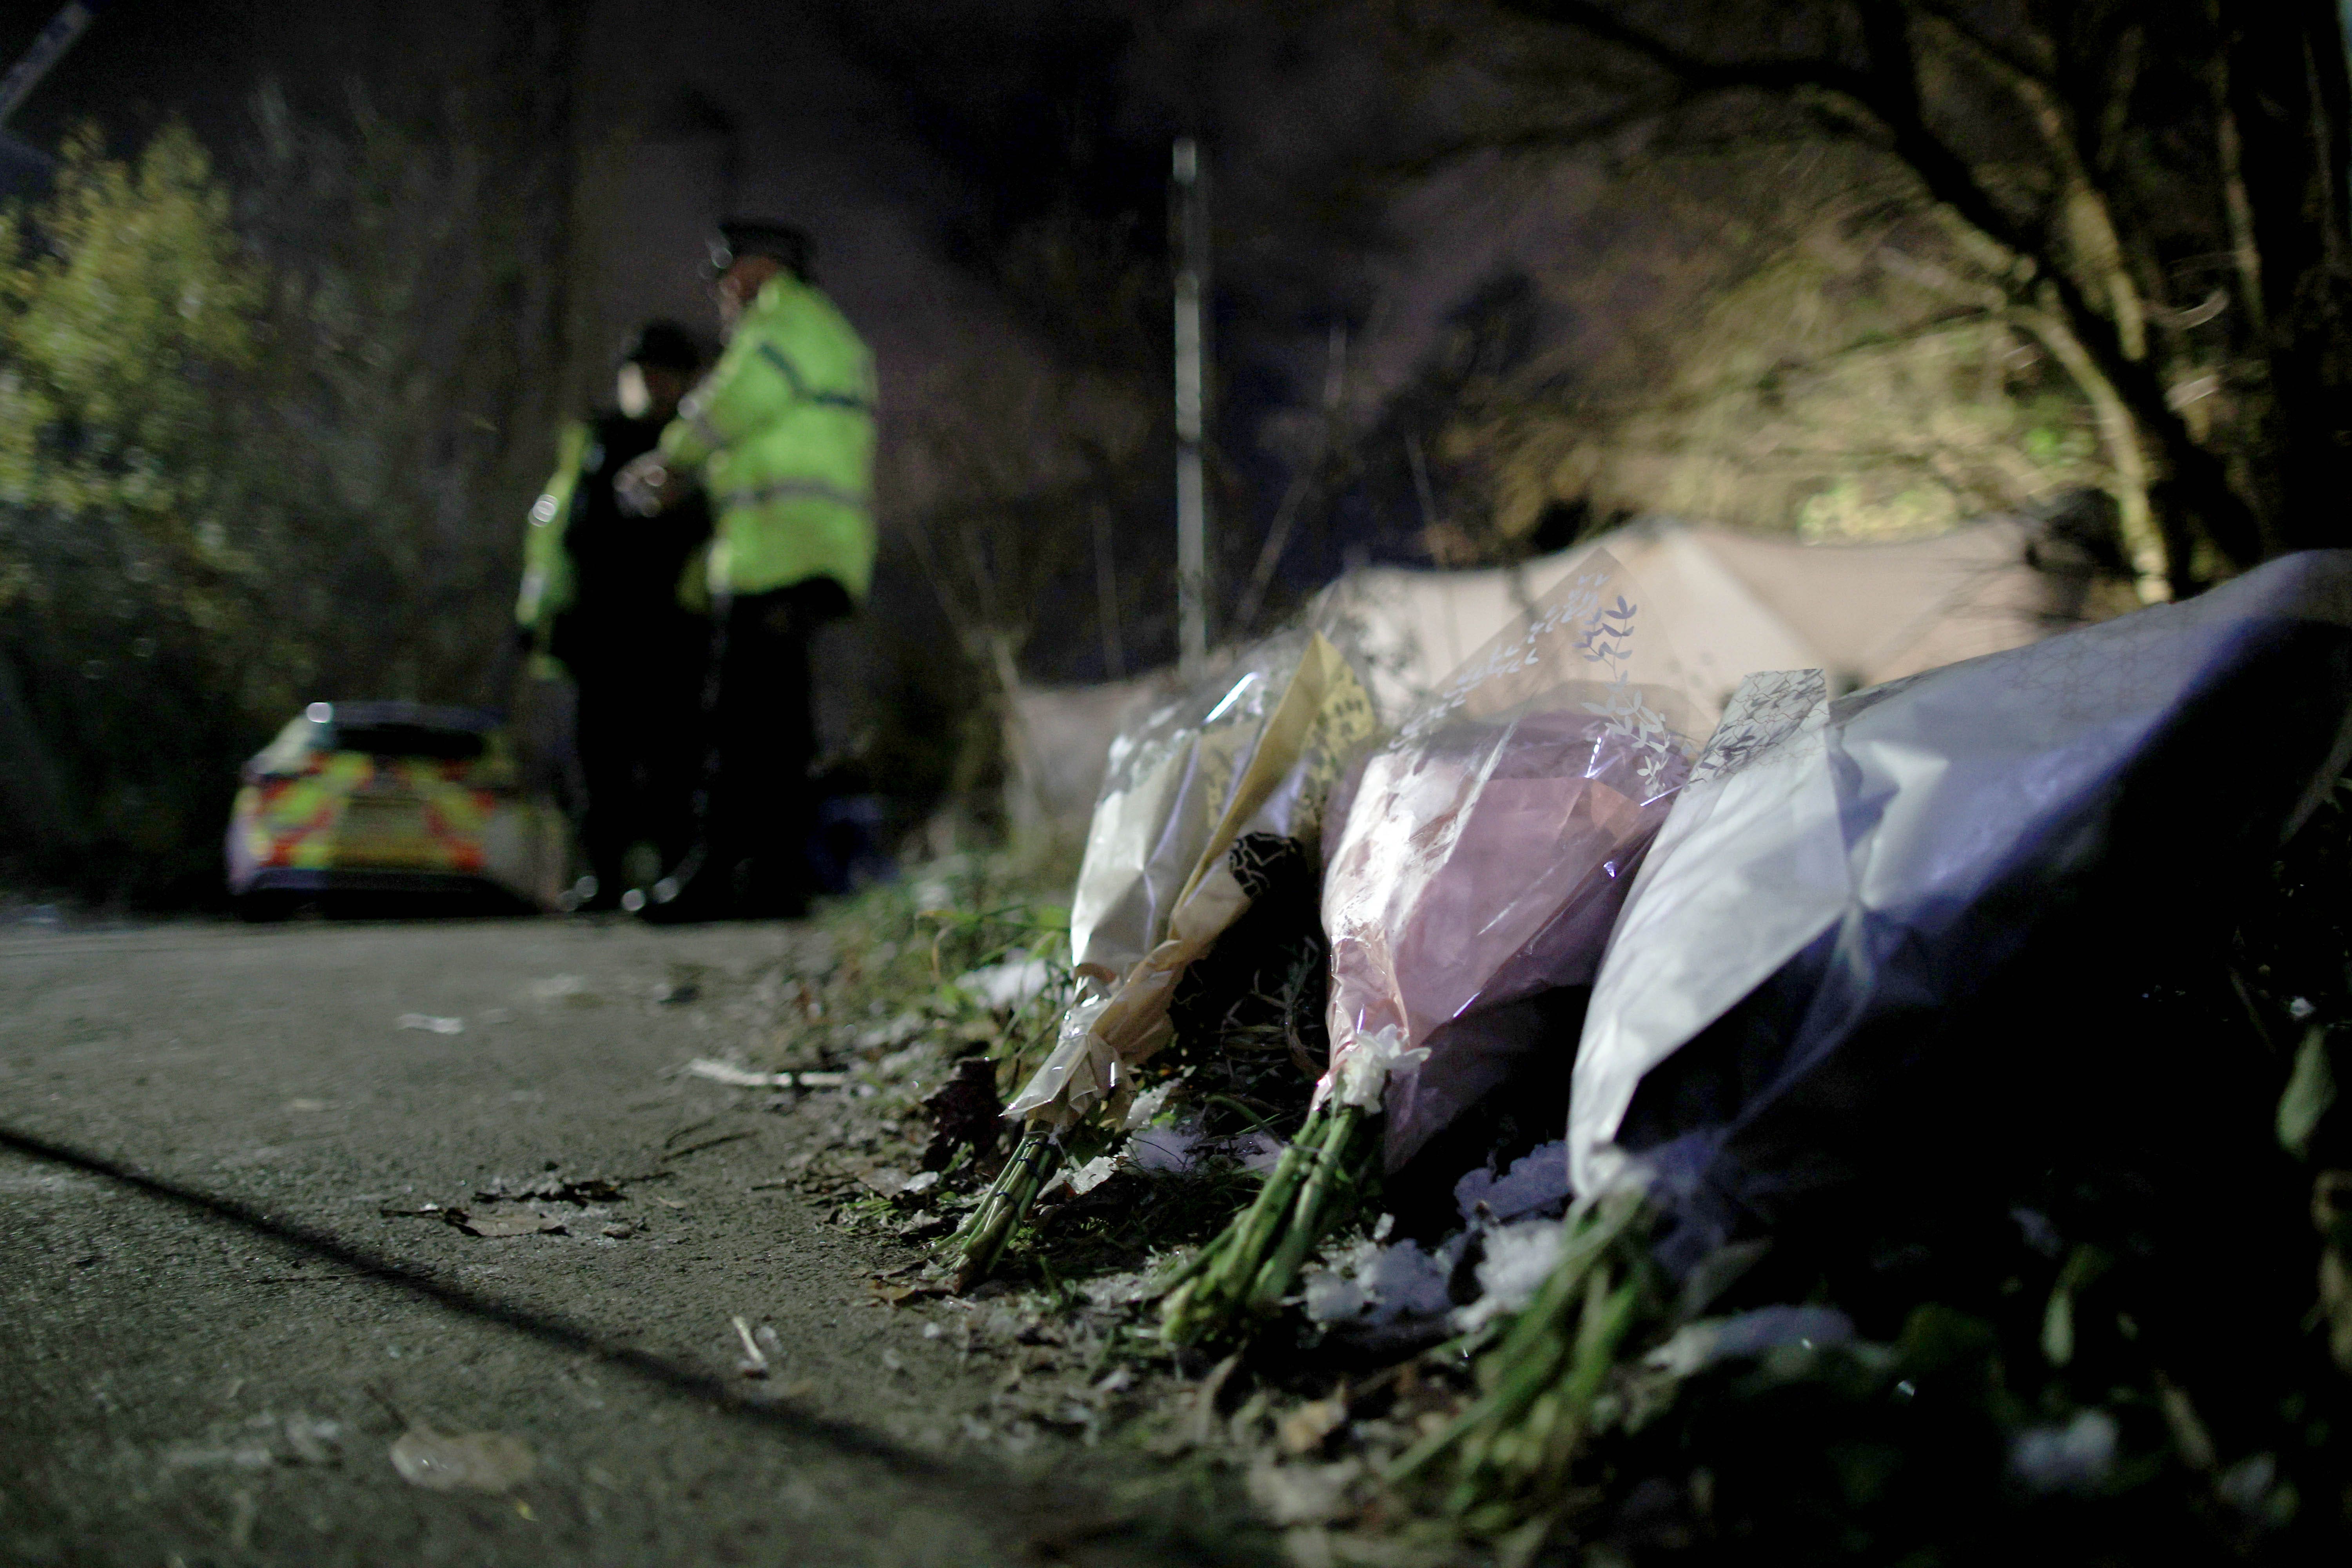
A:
x,y
2151,553
2289,99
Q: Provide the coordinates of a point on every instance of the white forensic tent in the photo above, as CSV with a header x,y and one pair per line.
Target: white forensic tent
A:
x,y
1728,604
1057,747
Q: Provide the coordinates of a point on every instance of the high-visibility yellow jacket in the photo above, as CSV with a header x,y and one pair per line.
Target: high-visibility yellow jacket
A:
x,y
547,579
782,429
585,564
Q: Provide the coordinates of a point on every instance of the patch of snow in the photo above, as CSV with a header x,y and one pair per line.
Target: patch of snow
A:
x,y
1180,1150
1386,1283
2075,1457
1517,1259
1695,1347
896,1032
1165,1149
1406,1282
1091,1174
897,1064
1115,1290
2247,1484
1009,986
1332,1298
1147,1106
1303,1494
1538,1180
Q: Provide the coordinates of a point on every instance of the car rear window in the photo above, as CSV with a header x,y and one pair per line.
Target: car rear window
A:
x,y
409,740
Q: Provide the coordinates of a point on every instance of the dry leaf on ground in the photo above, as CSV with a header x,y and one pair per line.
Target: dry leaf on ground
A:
x,y
463,1461
496,1224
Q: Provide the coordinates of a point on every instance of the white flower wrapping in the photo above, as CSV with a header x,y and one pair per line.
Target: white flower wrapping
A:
x,y
1362,1077
1252,752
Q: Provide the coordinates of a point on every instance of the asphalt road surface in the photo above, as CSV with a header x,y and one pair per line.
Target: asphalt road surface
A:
x,y
211,1334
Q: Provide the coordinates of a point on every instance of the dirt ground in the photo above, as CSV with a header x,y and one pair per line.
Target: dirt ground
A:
x,y
218,1323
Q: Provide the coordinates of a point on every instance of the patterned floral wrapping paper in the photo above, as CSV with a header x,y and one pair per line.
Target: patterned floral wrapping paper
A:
x,y
1488,846
1201,794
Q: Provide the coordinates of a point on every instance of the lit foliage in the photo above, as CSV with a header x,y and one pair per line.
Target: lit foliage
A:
x,y
1855,370
260,442
137,649
123,307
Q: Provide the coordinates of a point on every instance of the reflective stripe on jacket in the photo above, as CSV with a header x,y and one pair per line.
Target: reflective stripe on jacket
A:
x,y
783,429
547,583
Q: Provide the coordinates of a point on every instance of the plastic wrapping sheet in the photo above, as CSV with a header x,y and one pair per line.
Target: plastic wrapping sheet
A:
x,y
1204,797
1488,846
1831,970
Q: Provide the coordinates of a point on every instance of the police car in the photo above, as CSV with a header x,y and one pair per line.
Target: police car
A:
x,y
386,801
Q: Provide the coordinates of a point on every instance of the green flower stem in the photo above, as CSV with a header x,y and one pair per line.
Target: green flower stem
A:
x,y
1204,1302
1533,1461
1202,1256
980,1242
1263,1219
1253,1262
1308,1212
1538,1349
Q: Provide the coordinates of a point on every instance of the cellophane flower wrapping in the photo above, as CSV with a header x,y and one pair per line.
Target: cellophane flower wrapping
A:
x,y
1488,846
1857,966
1206,795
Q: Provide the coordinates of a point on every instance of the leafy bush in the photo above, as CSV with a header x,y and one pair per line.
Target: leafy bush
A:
x,y
257,445
136,654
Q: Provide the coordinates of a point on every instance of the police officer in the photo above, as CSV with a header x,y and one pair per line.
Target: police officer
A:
x,y
780,438
620,606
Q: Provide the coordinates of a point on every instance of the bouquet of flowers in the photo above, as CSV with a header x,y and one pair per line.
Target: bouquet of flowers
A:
x,y
1484,859
1876,974
1207,797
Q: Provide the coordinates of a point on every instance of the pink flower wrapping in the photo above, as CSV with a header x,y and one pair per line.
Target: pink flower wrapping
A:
x,y
1490,844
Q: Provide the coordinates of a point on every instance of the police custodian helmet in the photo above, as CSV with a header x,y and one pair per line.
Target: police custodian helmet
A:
x,y
740,237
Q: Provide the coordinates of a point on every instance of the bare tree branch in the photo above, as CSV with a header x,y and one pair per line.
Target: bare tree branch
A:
x,y
1886,90
1985,44
1769,73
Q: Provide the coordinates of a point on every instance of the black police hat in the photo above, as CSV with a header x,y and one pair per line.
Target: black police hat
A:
x,y
664,345
740,237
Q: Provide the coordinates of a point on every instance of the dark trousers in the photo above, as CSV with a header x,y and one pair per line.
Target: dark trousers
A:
x,y
639,733
758,807
640,746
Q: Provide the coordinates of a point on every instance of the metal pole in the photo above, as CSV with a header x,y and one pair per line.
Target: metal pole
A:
x,y
48,46
1191,240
